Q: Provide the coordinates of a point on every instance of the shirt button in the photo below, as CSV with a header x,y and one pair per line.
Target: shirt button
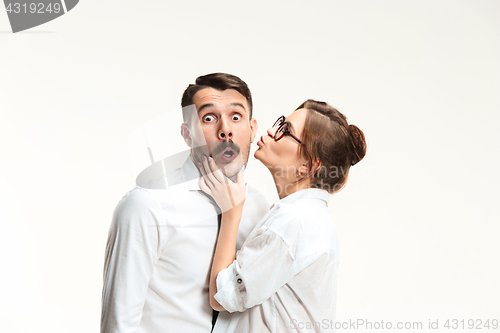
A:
x,y
239,281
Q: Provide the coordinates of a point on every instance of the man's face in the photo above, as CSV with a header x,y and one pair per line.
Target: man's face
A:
x,y
222,129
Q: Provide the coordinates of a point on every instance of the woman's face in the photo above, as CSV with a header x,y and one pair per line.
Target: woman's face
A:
x,y
282,157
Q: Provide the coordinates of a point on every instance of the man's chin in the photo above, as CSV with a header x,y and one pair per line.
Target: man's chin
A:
x,y
231,169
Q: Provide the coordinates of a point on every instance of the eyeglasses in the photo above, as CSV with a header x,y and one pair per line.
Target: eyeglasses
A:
x,y
283,130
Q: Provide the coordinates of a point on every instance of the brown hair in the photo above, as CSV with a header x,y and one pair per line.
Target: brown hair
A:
x,y
219,81
330,139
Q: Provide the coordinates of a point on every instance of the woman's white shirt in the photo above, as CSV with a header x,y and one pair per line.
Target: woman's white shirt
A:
x,y
285,275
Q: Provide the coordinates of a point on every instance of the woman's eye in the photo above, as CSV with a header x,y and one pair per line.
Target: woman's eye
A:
x,y
236,117
208,118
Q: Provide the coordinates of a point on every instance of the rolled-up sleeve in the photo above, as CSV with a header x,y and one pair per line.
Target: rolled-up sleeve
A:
x,y
228,288
262,266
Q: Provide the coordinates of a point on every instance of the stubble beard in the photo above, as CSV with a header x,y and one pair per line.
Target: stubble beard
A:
x,y
231,173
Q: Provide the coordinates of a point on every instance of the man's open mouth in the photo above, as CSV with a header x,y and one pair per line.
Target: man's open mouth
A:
x,y
228,155
226,152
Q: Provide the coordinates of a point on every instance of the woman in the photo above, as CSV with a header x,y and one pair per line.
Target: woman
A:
x,y
284,277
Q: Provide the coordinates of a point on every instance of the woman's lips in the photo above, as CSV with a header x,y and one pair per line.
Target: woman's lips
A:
x,y
261,141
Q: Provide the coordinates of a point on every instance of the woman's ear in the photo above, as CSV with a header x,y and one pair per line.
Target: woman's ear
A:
x,y
316,165
312,167
305,168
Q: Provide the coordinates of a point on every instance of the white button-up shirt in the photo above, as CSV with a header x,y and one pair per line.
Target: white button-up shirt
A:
x,y
284,277
159,254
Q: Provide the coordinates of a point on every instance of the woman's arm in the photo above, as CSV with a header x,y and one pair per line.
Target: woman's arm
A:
x,y
225,249
230,197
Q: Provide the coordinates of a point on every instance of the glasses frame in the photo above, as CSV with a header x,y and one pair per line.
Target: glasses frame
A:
x,y
283,130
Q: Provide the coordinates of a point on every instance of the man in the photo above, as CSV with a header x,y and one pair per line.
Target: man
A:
x,y
161,241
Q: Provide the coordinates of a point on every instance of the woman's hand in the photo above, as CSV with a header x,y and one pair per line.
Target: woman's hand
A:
x,y
230,197
227,194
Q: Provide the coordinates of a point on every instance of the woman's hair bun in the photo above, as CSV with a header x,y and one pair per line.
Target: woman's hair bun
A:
x,y
358,144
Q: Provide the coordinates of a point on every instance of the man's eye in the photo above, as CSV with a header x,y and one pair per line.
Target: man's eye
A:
x,y
208,118
236,117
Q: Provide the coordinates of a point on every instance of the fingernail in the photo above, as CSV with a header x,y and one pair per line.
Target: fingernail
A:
x,y
198,164
209,159
242,168
203,158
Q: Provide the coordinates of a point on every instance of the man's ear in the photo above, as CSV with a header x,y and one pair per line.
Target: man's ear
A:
x,y
186,134
253,129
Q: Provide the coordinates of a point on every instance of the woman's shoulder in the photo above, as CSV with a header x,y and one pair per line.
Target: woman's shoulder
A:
x,y
299,220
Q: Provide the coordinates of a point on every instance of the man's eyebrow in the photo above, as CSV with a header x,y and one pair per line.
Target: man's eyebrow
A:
x,y
238,104
209,105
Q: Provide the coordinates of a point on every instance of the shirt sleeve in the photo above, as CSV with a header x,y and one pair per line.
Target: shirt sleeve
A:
x,y
263,265
132,250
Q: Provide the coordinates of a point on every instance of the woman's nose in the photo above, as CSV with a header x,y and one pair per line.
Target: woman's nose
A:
x,y
271,131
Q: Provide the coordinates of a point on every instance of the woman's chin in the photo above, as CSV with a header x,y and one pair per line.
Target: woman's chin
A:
x,y
261,160
258,155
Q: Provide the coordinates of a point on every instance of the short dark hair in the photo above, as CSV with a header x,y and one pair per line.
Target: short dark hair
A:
x,y
219,81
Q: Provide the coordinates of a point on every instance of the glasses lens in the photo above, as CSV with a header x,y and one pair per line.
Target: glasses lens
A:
x,y
279,121
280,131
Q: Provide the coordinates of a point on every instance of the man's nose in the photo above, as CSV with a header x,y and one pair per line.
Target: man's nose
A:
x,y
225,130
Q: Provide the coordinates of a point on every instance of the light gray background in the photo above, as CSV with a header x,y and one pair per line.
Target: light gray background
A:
x,y
418,222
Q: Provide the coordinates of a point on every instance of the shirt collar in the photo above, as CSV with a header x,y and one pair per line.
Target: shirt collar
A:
x,y
309,193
